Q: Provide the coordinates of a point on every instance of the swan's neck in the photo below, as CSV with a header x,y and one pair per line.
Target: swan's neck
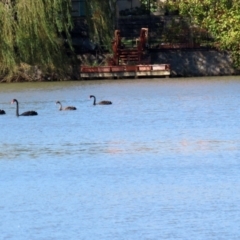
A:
x,y
60,106
94,101
17,111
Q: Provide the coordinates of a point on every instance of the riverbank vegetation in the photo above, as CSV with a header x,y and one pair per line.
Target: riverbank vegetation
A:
x,y
219,17
34,37
101,17
35,40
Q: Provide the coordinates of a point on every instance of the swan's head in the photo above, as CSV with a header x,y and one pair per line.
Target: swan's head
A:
x,y
13,101
91,96
57,102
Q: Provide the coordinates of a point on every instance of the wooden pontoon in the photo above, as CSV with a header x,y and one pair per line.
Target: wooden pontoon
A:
x,y
127,62
128,71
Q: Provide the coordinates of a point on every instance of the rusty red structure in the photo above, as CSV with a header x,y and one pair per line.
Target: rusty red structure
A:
x,y
123,55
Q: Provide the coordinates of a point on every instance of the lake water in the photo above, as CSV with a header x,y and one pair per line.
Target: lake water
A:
x,y
161,162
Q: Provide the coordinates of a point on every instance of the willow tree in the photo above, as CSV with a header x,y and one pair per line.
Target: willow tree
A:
x,y
101,20
32,32
220,17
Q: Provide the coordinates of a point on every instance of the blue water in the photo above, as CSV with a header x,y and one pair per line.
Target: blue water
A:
x,y
162,162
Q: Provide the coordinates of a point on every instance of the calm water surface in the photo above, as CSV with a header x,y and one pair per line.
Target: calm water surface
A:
x,y
162,162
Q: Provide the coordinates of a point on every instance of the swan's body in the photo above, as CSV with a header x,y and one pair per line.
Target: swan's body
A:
x,y
2,112
28,113
65,108
100,103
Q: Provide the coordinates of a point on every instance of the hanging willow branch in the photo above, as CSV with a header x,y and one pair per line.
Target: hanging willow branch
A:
x,y
31,32
101,19
7,36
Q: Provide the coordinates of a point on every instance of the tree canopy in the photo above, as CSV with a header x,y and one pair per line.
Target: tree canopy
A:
x,y
31,32
220,17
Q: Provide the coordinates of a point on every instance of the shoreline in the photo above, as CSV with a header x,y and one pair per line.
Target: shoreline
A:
x,y
181,62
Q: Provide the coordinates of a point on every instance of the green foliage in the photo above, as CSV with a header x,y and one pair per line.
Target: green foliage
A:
x,y
7,38
220,17
31,32
151,5
101,18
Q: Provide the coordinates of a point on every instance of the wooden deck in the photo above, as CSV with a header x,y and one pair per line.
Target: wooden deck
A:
x,y
125,71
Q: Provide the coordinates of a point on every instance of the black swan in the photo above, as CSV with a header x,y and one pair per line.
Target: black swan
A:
x,y
100,103
65,108
2,112
28,113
